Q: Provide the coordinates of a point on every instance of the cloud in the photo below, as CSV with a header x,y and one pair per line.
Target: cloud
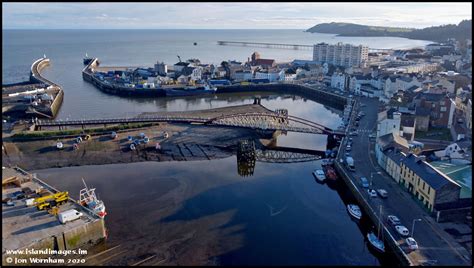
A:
x,y
228,15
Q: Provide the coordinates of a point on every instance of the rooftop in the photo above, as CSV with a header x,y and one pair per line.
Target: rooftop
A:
x,y
462,174
430,175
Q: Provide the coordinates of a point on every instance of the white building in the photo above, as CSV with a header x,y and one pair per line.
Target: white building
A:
x,y
161,68
341,54
272,76
388,124
242,76
339,81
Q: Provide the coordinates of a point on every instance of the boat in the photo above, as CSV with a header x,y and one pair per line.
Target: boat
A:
x,y
189,91
87,60
354,211
59,145
327,161
376,242
88,199
319,175
330,172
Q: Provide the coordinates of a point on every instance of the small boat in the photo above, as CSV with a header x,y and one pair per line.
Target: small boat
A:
x,y
376,242
354,211
87,60
319,175
59,145
330,172
327,161
88,199
190,91
132,146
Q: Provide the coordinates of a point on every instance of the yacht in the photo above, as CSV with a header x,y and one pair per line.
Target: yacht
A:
x,y
376,242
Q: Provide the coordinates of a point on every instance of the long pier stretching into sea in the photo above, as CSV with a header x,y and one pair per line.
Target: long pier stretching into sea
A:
x,y
283,46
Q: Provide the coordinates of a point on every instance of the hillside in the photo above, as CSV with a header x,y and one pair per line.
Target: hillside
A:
x,y
441,33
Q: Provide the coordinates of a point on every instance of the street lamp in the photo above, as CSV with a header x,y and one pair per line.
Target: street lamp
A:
x,y
413,226
372,176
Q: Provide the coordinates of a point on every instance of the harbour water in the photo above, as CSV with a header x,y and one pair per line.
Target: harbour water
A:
x,y
66,49
201,211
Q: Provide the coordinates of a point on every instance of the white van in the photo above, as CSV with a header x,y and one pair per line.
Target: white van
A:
x,y
69,215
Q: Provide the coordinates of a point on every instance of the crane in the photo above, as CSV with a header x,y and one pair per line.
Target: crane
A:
x,y
179,58
51,201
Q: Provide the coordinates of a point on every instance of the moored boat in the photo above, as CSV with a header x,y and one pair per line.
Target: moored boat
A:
x,y
354,211
190,91
375,242
330,172
319,175
88,199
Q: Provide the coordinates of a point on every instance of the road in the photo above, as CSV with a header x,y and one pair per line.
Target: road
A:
x,y
436,247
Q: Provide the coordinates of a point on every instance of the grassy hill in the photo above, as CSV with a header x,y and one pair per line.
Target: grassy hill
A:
x,y
441,33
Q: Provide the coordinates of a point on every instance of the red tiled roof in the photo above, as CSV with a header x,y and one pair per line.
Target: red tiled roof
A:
x,y
264,62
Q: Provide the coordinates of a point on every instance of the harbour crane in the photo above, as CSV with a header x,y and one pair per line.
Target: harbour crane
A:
x,y
179,58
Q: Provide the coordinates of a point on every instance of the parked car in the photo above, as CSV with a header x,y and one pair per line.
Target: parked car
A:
x,y
348,147
402,230
393,220
372,193
364,182
411,242
382,192
353,133
372,136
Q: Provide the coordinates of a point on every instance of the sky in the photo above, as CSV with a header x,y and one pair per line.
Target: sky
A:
x,y
233,15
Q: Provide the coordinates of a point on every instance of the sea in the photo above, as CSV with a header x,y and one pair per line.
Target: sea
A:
x,y
278,216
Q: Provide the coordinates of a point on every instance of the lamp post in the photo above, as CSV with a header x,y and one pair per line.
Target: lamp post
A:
x,y
372,176
413,226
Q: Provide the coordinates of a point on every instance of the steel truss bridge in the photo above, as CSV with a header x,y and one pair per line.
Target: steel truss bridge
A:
x,y
277,120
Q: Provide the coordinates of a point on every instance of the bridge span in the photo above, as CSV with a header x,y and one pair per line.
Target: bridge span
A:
x,y
254,116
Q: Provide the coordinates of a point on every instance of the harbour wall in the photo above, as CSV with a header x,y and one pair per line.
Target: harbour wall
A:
x,y
35,77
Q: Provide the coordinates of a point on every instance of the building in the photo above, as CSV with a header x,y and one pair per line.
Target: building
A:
x,y
441,108
341,54
427,184
388,122
339,81
242,75
461,173
179,66
265,63
161,68
271,75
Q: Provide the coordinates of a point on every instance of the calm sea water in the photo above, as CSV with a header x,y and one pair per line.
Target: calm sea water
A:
x,y
314,228
66,48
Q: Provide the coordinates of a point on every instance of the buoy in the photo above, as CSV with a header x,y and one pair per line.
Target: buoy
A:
x,y
195,43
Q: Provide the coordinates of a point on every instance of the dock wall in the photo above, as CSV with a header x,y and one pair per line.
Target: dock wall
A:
x,y
35,77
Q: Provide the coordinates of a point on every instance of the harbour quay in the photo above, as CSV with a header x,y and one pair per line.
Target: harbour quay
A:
x,y
38,97
28,232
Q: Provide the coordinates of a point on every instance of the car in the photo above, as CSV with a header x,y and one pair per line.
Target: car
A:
x,y
364,182
383,193
393,220
350,139
357,123
348,154
353,133
372,136
402,230
411,242
348,148
372,193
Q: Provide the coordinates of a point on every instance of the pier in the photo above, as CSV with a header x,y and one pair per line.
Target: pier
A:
x,y
283,46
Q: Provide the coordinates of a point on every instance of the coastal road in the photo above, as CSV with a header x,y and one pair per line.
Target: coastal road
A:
x,y
436,247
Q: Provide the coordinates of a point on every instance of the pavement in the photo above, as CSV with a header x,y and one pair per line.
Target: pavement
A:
x,y
436,246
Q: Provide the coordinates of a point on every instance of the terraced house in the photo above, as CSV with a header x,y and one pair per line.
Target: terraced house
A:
x,y
427,184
